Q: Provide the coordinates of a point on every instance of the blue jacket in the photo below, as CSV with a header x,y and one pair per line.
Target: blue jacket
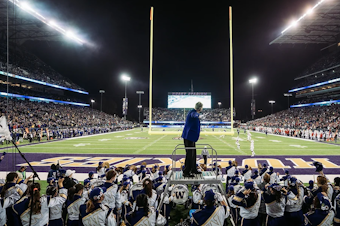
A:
x,y
192,126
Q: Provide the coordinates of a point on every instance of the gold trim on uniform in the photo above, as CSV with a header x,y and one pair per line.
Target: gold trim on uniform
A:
x,y
210,216
336,220
238,199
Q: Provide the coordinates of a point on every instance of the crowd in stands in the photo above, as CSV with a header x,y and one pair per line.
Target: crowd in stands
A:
x,y
166,114
324,63
37,93
26,64
131,195
315,122
32,119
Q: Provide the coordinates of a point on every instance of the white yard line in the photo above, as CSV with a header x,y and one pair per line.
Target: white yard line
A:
x,y
240,151
150,144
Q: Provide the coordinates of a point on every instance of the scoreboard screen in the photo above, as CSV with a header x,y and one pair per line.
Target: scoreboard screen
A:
x,y
188,100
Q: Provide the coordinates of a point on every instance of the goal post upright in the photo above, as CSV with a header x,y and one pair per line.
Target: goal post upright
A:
x,y
231,72
151,53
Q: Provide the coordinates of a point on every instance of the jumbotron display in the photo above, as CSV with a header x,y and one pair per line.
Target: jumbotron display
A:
x,y
188,100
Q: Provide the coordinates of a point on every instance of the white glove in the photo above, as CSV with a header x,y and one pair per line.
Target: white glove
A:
x,y
219,197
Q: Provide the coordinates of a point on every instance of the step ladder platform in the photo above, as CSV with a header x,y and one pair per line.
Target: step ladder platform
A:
x,y
207,177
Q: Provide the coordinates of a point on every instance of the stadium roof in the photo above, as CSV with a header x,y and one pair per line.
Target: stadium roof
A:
x,y
26,23
319,25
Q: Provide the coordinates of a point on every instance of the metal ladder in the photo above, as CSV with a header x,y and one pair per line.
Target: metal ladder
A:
x,y
207,177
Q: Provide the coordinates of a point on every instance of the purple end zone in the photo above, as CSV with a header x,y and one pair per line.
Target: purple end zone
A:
x,y
83,163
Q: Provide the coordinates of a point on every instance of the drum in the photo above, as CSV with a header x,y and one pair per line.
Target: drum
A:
x,y
180,193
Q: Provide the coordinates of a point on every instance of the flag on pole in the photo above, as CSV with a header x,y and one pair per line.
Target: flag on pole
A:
x,y
4,130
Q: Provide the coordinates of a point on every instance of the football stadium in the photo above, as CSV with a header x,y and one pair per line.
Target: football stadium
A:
x,y
68,159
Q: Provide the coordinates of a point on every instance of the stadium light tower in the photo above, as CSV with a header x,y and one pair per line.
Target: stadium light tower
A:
x,y
126,79
101,99
252,82
219,104
140,102
288,95
92,102
272,102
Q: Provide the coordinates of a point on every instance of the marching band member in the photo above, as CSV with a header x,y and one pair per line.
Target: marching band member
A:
x,y
167,171
246,173
275,204
263,169
234,210
111,195
56,197
323,215
8,200
285,178
143,214
73,202
210,214
14,190
256,178
100,169
95,211
230,171
124,198
273,176
154,171
167,203
293,209
151,194
39,205
197,198
248,200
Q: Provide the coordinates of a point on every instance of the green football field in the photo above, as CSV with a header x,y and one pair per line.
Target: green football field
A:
x,y
139,142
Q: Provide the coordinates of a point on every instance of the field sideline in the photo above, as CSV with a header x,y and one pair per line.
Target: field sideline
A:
x,y
139,142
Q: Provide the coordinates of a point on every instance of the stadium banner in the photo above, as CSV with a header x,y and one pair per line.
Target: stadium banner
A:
x,y
84,163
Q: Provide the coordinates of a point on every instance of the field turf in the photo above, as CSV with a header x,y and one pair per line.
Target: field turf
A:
x,y
139,142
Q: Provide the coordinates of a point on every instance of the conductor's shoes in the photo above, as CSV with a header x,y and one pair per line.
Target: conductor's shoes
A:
x,y
188,175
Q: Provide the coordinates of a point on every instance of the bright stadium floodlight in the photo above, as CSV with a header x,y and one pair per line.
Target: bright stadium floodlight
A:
x,y
219,104
26,6
303,16
125,78
253,80
29,9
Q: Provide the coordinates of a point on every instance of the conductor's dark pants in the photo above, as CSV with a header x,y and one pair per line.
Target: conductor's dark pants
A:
x,y
190,158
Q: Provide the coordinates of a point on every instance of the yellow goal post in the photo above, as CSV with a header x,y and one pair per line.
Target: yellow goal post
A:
x,y
231,132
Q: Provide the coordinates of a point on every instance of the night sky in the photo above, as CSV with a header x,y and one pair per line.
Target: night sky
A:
x,y
191,41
